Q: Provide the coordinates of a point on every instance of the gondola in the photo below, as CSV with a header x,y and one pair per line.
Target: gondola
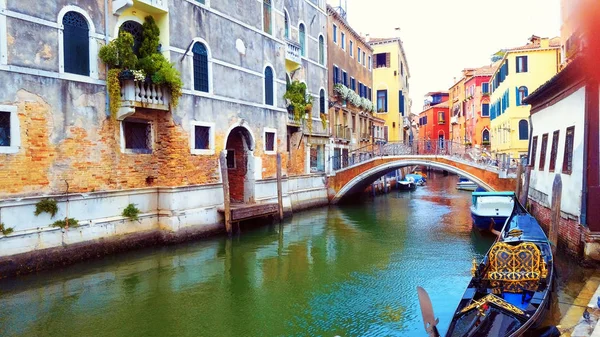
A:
x,y
509,293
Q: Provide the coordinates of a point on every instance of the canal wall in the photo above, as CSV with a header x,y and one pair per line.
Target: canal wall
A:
x,y
167,215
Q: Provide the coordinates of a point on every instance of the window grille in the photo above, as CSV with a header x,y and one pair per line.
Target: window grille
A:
x,y
543,151
202,137
135,29
76,44
269,86
269,141
553,152
200,67
4,128
533,151
138,136
568,155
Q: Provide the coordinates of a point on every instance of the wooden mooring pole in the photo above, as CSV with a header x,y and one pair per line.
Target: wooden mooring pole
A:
x,y
279,188
556,200
519,188
226,197
525,192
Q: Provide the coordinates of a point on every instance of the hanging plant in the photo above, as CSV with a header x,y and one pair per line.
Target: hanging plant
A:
x,y
46,206
5,230
324,120
298,100
151,64
70,222
131,212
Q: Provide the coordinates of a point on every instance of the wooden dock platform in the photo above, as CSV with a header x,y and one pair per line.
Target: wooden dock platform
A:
x,y
241,212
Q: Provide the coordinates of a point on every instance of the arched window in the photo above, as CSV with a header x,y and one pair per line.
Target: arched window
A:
x,y
522,92
322,101
321,50
485,137
76,44
267,16
269,86
523,129
302,37
286,19
200,67
135,29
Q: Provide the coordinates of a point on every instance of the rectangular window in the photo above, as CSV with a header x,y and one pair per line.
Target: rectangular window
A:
x,y
521,64
554,151
369,93
401,102
485,110
336,80
485,88
201,137
382,60
230,159
5,128
382,101
267,16
370,63
364,59
568,155
343,41
360,89
335,38
351,48
441,117
138,136
344,78
352,84
543,151
358,54
269,141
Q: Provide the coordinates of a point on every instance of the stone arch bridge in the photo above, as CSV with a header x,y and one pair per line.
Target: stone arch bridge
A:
x,y
351,173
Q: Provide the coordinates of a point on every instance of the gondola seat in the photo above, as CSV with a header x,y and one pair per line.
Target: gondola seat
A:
x,y
515,269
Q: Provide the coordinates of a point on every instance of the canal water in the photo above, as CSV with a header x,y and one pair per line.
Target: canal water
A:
x,y
338,271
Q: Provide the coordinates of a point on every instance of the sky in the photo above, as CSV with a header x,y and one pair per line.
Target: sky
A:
x,y
442,37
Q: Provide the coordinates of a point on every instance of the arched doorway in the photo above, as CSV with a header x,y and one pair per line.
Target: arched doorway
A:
x,y
240,165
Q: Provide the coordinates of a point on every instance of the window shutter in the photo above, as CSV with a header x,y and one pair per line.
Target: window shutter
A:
x,y
518,97
525,66
387,59
386,100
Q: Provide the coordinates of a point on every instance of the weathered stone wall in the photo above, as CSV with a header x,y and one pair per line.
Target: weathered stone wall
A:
x,y
569,230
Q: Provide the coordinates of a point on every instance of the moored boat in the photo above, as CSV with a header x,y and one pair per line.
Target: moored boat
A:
x,y
510,290
418,179
491,209
404,185
466,185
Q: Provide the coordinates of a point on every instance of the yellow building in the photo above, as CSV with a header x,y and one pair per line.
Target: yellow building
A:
x,y
522,70
390,86
456,101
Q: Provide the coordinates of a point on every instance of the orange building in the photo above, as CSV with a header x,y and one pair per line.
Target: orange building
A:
x,y
477,106
434,127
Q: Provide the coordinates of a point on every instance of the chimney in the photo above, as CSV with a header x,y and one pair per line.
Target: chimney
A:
x,y
367,38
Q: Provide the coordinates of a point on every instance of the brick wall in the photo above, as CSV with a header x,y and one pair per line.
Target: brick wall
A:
x,y
569,230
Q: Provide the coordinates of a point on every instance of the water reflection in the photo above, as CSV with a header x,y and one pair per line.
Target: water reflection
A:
x,y
349,271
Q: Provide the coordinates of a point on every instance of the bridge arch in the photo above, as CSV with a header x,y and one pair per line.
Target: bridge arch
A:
x,y
364,179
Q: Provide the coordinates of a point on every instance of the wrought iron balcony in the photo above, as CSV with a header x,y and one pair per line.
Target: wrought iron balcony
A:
x,y
142,95
149,6
292,52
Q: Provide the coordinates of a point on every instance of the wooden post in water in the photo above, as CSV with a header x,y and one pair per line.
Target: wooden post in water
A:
x,y
226,200
518,189
525,192
556,199
279,188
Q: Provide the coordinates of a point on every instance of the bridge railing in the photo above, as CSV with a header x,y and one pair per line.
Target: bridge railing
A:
x,y
475,156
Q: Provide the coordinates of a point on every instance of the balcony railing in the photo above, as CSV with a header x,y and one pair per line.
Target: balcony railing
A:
x,y
292,52
142,95
343,132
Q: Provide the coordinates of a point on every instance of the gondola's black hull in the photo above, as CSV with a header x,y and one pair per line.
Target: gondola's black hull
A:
x,y
485,314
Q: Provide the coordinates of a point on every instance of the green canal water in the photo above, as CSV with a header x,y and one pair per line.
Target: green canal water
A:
x,y
338,271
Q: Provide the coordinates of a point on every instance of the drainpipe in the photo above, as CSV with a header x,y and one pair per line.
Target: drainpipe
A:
x,y
586,145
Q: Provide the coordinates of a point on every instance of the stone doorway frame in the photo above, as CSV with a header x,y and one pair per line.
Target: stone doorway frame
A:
x,y
249,144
